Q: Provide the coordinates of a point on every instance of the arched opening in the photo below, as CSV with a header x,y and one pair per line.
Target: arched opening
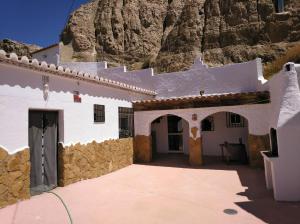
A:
x,y
170,135
225,138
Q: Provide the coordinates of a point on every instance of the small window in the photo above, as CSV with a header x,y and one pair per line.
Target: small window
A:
x,y
99,113
208,124
234,120
125,122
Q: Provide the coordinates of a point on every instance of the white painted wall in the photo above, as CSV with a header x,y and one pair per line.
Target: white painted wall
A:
x,y
22,90
285,117
90,67
161,130
141,78
256,115
211,140
50,55
234,78
243,77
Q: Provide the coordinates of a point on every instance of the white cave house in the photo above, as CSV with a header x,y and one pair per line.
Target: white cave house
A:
x,y
63,122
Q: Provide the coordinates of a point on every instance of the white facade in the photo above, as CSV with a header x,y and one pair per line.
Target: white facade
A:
x,y
282,172
255,115
22,89
211,140
49,54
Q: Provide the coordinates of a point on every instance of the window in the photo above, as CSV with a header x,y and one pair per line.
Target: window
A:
x,y
99,113
125,122
208,124
235,121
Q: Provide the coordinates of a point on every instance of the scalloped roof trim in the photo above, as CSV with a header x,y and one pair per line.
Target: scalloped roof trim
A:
x,y
34,64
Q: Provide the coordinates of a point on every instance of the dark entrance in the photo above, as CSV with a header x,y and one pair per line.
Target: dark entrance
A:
x,y
175,132
43,139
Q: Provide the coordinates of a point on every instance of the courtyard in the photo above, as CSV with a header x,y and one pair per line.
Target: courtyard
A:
x,y
167,190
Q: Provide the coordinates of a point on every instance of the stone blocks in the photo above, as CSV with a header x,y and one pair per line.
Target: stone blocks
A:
x,y
195,151
14,177
79,162
142,149
257,143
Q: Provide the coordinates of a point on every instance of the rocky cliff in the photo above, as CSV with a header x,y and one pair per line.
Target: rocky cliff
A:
x,y
18,48
169,34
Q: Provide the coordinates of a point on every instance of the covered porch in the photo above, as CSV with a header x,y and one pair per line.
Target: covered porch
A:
x,y
228,127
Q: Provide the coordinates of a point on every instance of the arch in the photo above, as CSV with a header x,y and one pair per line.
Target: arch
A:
x,y
225,134
169,134
254,115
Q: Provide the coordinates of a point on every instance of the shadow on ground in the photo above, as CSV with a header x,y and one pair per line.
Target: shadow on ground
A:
x,y
261,203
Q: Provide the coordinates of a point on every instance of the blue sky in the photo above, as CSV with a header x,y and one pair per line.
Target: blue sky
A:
x,y
35,21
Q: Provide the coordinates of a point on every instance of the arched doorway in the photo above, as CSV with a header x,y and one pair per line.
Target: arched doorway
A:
x,y
225,138
170,135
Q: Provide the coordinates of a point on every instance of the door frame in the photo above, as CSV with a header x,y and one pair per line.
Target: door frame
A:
x,y
58,114
175,134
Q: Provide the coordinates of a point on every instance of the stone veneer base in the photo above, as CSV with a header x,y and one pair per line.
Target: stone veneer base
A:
x,y
195,151
75,163
14,177
78,162
256,144
142,149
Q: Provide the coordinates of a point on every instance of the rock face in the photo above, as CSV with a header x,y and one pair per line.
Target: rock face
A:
x,y
168,35
19,48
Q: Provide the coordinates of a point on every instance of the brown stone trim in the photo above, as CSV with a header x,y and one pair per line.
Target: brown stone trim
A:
x,y
203,101
195,151
78,162
14,177
142,149
256,144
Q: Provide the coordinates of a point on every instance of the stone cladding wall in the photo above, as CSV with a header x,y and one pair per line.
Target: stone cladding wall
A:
x,y
14,177
79,162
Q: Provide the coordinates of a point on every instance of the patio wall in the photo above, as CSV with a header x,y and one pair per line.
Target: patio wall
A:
x,y
14,177
76,162
79,162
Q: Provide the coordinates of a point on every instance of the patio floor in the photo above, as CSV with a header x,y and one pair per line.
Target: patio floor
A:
x,y
165,191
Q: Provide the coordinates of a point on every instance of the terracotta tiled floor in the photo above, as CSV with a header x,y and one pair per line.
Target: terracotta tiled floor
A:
x,y
165,191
